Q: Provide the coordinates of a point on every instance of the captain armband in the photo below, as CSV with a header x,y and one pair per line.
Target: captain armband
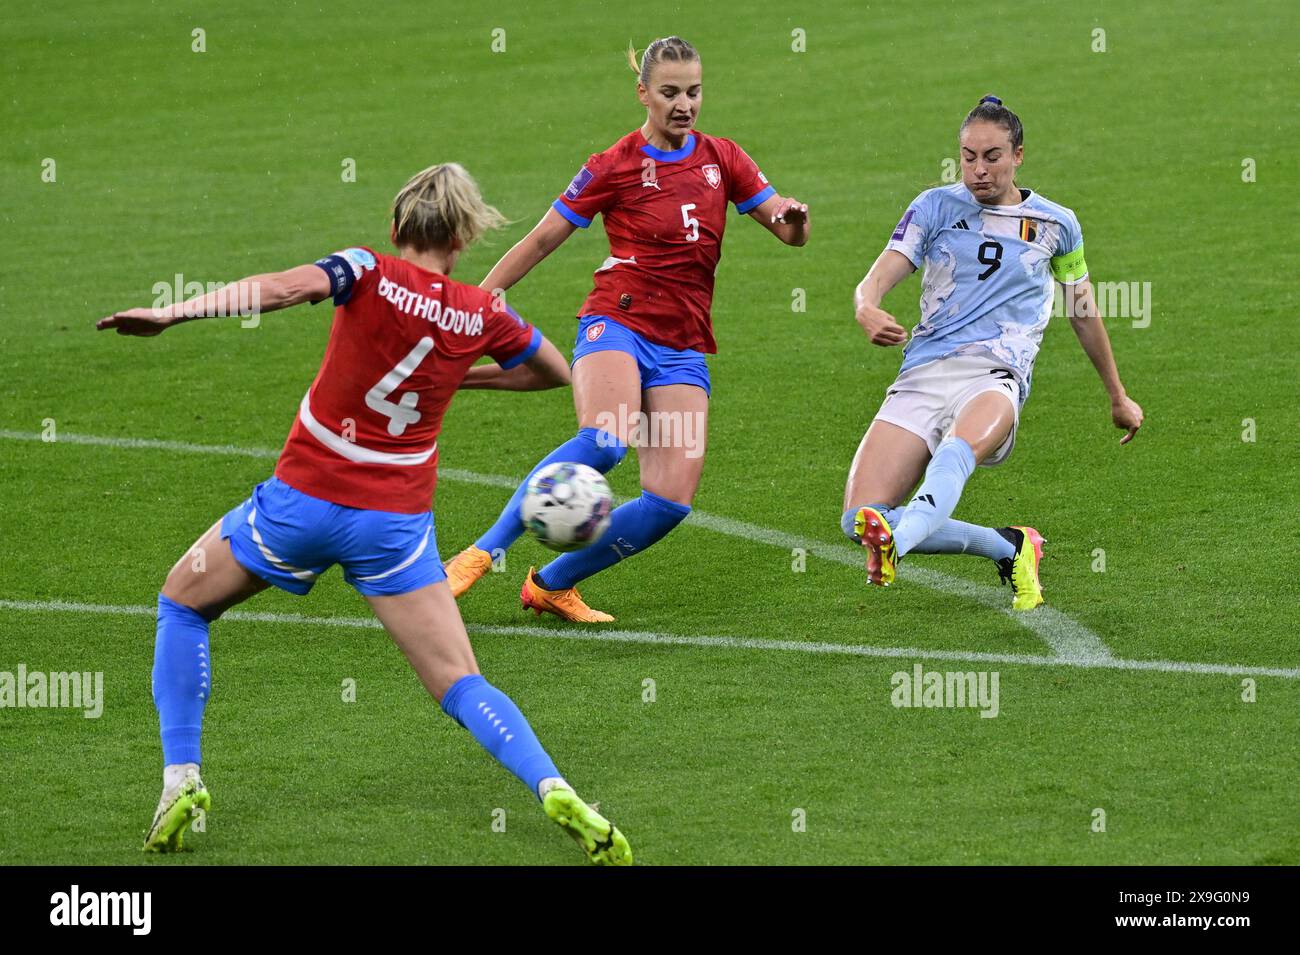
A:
x,y
1069,268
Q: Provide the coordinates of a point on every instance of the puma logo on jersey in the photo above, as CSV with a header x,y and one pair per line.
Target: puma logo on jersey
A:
x,y
650,182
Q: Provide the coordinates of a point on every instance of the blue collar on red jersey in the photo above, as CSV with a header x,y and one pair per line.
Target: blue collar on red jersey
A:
x,y
677,154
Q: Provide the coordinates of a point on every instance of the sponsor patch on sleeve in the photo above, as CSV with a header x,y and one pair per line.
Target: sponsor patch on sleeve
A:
x,y
901,230
580,182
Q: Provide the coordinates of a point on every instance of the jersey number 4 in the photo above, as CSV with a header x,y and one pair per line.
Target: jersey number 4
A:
x,y
990,254
402,412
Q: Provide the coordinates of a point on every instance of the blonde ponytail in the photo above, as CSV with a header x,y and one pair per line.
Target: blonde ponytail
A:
x,y
672,48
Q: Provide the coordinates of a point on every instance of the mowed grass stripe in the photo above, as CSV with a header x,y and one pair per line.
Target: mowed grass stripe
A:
x,y
668,639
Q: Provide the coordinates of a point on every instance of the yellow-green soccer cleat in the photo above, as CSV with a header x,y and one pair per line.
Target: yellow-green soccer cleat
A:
x,y
597,836
1021,571
176,811
878,538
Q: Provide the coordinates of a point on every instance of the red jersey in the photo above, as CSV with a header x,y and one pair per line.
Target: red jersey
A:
x,y
401,342
665,213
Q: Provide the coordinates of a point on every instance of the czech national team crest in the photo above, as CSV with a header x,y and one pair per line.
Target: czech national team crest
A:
x,y
595,330
712,175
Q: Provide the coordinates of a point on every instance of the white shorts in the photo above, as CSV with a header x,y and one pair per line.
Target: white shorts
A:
x,y
927,399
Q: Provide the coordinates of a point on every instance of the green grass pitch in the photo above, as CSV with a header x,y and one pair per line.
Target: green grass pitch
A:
x,y
222,163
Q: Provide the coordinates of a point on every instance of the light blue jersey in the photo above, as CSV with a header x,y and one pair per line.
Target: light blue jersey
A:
x,y
987,287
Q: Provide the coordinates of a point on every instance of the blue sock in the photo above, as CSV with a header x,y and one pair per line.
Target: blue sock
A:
x,y
952,537
591,446
181,680
633,527
937,496
494,720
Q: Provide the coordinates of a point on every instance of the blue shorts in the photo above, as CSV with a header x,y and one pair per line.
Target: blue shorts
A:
x,y
658,364
289,539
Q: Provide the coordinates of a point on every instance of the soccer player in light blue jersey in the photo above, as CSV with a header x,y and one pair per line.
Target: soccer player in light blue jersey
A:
x,y
991,253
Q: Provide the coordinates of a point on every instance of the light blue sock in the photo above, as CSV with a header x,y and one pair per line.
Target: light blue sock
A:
x,y
181,680
952,537
937,496
958,537
633,527
590,446
493,719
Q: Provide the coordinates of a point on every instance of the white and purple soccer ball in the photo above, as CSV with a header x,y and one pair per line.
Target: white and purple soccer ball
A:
x,y
566,505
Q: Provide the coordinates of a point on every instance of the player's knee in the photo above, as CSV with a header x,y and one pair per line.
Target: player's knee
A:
x,y
607,449
954,455
170,606
182,589
178,587
670,478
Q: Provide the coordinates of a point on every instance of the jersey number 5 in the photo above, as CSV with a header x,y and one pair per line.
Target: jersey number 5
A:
x,y
692,225
990,254
401,412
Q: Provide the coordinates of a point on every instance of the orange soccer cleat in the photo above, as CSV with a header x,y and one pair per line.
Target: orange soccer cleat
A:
x,y
464,570
565,604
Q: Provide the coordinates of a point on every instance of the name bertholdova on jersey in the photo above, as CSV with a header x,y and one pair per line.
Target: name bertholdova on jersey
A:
x,y
453,320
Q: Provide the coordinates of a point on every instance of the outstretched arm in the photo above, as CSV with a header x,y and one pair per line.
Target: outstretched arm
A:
x,y
1091,332
248,296
541,241
890,268
785,218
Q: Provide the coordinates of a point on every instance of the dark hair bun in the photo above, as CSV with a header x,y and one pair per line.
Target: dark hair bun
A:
x,y
990,110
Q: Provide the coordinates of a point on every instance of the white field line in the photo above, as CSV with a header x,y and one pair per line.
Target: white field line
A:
x,y
599,635
1065,637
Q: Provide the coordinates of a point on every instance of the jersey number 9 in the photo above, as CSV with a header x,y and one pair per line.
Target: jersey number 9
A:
x,y
990,254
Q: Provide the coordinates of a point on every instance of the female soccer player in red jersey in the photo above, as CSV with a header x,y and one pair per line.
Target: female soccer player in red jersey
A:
x,y
644,330
354,483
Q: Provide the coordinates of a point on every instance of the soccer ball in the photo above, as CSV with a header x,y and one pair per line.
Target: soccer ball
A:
x,y
566,506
